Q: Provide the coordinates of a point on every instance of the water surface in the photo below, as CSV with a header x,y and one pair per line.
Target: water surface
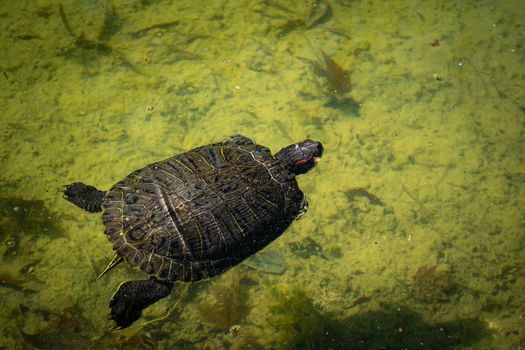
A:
x,y
415,232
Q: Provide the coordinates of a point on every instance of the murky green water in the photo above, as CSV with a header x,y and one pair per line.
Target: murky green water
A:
x,y
414,237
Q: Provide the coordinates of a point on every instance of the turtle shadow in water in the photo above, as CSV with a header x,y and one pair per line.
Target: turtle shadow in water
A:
x,y
395,327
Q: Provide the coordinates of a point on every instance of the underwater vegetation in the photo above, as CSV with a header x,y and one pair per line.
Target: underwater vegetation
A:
x,y
423,214
328,300
223,309
27,217
69,329
294,320
225,303
319,11
238,338
26,226
354,194
21,281
432,285
398,327
306,248
297,323
367,210
337,79
337,84
63,329
22,223
97,44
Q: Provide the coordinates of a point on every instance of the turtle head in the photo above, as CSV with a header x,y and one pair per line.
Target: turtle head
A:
x,y
300,157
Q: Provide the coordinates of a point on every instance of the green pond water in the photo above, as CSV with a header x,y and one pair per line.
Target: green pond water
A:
x,y
415,233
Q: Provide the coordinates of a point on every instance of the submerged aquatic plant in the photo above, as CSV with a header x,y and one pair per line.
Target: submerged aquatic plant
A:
x,y
225,303
337,84
241,338
327,300
111,24
22,224
306,248
24,281
28,216
337,79
431,285
69,329
319,11
295,321
64,329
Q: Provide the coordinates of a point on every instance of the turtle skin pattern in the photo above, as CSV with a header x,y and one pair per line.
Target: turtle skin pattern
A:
x,y
197,214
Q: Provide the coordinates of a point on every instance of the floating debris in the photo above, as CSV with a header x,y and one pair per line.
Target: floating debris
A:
x,y
267,261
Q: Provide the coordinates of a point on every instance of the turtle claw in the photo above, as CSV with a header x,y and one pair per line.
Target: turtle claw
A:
x,y
134,296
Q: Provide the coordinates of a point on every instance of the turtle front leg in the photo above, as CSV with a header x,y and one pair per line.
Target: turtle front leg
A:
x,y
132,297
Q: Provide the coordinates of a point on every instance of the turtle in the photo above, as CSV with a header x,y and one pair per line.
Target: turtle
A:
x,y
197,214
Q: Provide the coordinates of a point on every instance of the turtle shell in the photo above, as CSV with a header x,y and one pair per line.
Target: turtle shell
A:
x,y
201,212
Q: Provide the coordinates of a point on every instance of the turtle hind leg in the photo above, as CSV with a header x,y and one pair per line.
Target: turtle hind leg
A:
x,y
132,297
84,196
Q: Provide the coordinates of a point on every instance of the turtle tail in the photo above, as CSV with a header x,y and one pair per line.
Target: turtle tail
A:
x,y
84,196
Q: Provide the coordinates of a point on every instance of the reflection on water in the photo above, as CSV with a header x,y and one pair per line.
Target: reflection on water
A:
x,y
414,233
